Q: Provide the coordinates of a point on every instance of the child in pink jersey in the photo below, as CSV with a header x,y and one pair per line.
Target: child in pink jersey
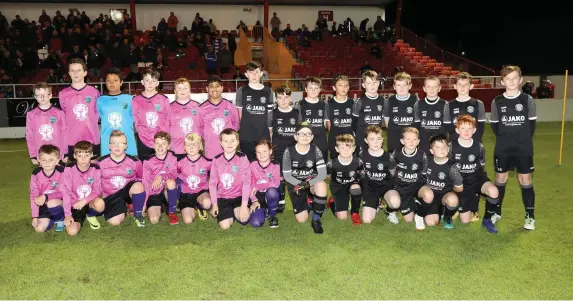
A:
x,y
79,105
218,114
193,172
186,117
45,124
151,113
121,182
159,174
230,182
45,196
81,190
265,181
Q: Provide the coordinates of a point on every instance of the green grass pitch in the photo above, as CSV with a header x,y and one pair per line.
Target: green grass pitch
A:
x,y
377,261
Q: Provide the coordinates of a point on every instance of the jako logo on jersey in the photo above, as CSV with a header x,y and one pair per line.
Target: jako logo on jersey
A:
x,y
409,176
256,108
512,118
402,119
436,184
46,130
114,119
431,123
469,166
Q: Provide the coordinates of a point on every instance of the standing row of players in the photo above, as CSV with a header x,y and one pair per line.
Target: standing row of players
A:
x,y
152,113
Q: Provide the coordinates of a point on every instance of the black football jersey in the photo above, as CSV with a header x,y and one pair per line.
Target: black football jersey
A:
x,y
369,112
513,117
430,117
443,177
344,173
302,166
283,125
340,116
469,160
315,114
256,106
410,169
377,168
401,115
455,108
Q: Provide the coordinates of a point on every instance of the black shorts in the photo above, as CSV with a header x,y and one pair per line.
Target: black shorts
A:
x,y
157,200
436,202
248,148
79,216
189,200
115,204
96,151
523,164
408,196
299,202
44,212
372,193
472,188
341,195
227,208
143,151
262,198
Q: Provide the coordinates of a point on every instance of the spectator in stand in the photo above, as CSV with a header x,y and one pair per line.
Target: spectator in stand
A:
x,y
333,30
239,76
217,43
365,68
53,61
133,76
44,18
322,24
95,62
172,22
211,61
224,60
287,31
242,26
59,20
162,26
52,77
275,22
376,51
528,88
76,54
212,27
232,46
363,25
84,19
316,34
3,25
544,90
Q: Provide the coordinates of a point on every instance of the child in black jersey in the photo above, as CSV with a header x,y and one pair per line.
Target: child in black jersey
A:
x,y
429,113
379,167
469,156
304,171
410,164
399,110
513,116
344,179
367,109
254,102
339,113
313,110
443,180
282,125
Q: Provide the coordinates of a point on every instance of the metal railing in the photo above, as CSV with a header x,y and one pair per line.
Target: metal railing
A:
x,y
455,61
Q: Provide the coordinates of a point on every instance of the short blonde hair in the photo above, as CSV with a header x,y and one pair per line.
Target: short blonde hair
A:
x,y
193,137
117,133
432,77
464,76
182,80
506,70
403,76
345,139
410,130
373,129
370,74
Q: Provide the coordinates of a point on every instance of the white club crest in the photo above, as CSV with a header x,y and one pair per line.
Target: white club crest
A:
x,y
441,175
114,119
46,130
379,107
263,99
348,111
217,124
380,166
227,180
409,110
118,182
83,191
193,181
470,109
519,107
320,113
151,119
351,173
471,158
81,111
437,114
309,164
414,166
186,125
292,121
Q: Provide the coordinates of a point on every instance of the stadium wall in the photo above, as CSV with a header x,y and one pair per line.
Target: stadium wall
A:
x,y
224,16
547,110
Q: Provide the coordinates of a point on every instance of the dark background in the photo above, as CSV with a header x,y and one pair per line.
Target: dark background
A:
x,y
535,35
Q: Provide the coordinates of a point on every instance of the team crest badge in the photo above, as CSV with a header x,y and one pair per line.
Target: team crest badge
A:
x,y
470,109
235,168
309,164
202,171
90,180
54,183
88,99
351,174
414,166
269,175
129,171
52,119
292,121
226,112
379,107
157,107
348,111
437,114
263,99
471,158
124,106
320,113
441,175
409,110
194,113
380,166
519,107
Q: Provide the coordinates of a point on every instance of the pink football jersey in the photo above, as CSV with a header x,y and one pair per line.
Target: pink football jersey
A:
x,y
185,119
153,167
115,175
263,178
194,174
230,178
216,118
150,115
80,185
42,184
81,113
46,127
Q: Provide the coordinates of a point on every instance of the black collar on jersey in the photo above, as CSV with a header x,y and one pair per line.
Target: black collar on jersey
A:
x,y
193,161
78,90
150,97
264,167
45,110
229,160
120,161
53,173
